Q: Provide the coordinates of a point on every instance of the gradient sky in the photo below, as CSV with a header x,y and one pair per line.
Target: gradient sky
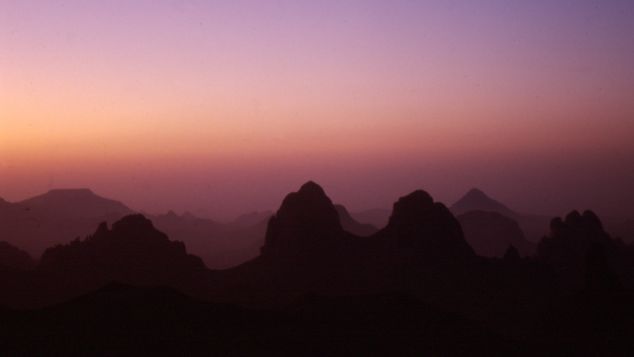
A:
x,y
223,107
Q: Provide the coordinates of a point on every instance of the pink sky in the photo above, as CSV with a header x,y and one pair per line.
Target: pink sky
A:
x,y
224,107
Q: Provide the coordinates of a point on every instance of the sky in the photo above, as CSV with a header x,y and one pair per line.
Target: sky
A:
x,y
223,107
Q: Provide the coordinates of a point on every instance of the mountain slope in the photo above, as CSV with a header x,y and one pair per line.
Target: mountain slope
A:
x,y
533,226
75,203
14,258
490,234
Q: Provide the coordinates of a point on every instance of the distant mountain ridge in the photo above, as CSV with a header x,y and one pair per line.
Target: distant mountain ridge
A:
x,y
314,279
476,200
220,245
533,226
55,217
491,234
78,203
61,215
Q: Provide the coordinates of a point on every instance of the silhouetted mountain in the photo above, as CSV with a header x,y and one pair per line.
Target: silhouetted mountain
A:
x,y
349,224
322,290
14,258
423,229
133,251
56,217
60,216
307,223
579,249
307,250
571,237
490,234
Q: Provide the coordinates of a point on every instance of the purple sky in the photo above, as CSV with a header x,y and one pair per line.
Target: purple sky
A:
x,y
225,106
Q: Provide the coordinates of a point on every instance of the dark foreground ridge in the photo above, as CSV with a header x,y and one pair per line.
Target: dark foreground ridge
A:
x,y
121,319
415,286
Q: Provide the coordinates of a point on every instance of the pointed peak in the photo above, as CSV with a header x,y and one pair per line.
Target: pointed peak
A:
x,y
476,200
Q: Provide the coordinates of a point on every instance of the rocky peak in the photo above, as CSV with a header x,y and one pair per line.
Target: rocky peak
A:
x,y
586,227
409,209
424,228
307,220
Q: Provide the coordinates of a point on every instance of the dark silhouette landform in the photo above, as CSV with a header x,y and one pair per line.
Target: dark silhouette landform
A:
x,y
314,281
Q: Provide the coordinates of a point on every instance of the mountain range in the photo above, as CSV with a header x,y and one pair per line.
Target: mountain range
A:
x,y
59,216
415,284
